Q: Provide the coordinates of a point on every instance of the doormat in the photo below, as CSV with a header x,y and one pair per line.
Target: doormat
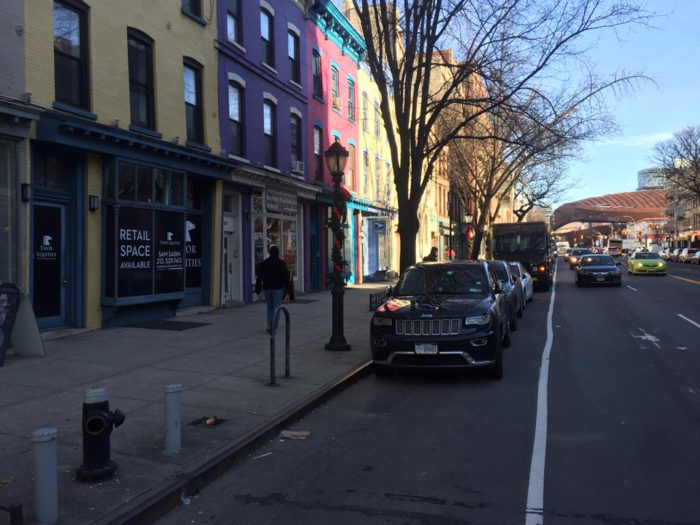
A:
x,y
177,326
305,301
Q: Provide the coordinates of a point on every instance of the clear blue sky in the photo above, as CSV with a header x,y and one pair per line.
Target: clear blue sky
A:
x,y
670,55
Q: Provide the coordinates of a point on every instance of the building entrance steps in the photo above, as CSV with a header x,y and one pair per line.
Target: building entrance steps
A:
x,y
224,368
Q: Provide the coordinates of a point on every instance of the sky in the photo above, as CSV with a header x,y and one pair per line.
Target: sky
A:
x,y
671,55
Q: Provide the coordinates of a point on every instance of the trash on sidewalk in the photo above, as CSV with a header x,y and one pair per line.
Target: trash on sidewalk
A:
x,y
212,421
7,481
258,457
295,434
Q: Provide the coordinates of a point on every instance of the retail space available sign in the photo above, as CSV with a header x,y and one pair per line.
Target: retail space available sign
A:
x,y
193,250
170,251
149,251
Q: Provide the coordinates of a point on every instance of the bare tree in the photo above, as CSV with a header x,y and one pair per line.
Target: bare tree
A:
x,y
523,46
679,161
541,186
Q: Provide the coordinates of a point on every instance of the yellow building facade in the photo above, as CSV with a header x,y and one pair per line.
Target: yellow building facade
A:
x,y
124,164
378,238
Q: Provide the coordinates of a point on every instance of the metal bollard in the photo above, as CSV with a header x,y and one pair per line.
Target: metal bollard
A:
x,y
45,475
287,344
173,419
97,430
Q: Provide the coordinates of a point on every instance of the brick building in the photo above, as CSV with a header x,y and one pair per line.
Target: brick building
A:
x,y
263,103
126,172
334,49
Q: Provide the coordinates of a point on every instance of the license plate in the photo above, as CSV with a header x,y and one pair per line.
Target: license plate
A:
x,y
426,348
534,278
600,279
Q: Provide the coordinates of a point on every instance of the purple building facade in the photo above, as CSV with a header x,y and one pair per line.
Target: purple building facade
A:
x,y
263,106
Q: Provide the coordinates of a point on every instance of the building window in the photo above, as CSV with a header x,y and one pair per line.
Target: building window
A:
x,y
318,153
378,176
377,132
8,212
141,80
235,119
318,83
334,83
233,20
351,100
366,174
70,54
388,183
192,6
295,138
268,37
269,131
193,103
350,178
365,112
294,62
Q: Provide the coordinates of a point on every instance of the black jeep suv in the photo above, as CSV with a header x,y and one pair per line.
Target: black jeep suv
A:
x,y
442,315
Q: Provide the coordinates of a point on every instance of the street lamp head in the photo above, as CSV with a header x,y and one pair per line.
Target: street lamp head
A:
x,y
336,157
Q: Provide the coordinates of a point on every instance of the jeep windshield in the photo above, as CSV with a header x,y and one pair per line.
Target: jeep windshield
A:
x,y
443,280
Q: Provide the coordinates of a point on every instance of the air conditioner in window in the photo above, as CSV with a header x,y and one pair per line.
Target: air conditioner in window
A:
x,y
297,166
338,103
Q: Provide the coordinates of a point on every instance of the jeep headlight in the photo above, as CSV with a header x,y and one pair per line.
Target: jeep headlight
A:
x,y
478,320
381,321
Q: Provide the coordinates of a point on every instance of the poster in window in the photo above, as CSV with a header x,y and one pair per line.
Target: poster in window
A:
x,y
193,251
48,266
169,252
135,251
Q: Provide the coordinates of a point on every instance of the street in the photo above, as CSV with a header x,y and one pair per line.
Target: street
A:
x,y
622,422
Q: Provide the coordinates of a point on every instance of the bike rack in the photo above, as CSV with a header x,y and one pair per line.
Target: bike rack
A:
x,y
275,318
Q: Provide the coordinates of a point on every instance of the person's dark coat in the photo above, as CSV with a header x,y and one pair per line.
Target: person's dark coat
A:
x,y
273,273
433,257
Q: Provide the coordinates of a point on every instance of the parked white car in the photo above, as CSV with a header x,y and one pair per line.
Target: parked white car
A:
x,y
525,281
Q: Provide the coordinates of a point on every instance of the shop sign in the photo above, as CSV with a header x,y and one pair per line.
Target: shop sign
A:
x,y
193,251
379,227
281,203
169,248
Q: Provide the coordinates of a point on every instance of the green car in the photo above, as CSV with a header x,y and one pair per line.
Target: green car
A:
x,y
646,263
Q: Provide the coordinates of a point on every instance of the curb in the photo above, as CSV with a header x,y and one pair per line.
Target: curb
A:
x,y
155,503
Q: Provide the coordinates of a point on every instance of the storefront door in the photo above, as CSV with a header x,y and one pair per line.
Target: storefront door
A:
x,y
50,278
232,249
232,267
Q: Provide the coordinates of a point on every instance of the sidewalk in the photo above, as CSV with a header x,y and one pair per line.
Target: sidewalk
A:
x,y
224,368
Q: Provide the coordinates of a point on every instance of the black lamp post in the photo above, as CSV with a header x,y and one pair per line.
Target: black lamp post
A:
x,y
336,157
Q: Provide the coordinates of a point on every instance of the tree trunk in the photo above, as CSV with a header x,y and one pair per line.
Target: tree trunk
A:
x,y
408,231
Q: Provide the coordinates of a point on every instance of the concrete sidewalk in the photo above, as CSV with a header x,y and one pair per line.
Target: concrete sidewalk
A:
x,y
224,368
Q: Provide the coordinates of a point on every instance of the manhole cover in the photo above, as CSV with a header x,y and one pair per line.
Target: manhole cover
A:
x,y
177,326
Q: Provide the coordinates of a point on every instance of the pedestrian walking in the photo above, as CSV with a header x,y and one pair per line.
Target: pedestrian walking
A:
x,y
273,278
433,256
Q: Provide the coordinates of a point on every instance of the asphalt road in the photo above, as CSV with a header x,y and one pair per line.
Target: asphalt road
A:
x,y
622,437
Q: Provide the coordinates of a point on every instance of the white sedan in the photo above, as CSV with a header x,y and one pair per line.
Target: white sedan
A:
x,y
525,281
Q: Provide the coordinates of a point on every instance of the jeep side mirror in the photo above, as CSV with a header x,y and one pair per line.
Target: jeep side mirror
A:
x,y
389,291
497,287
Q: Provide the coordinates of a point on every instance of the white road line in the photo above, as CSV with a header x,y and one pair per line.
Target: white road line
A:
x,y
689,320
628,286
535,490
